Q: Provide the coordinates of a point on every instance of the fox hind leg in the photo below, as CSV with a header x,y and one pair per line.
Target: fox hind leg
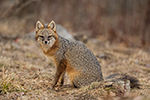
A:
x,y
73,85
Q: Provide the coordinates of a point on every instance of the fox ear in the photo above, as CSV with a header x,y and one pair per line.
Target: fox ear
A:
x,y
52,26
39,25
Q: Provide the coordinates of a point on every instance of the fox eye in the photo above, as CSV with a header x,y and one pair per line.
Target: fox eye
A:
x,y
41,36
49,36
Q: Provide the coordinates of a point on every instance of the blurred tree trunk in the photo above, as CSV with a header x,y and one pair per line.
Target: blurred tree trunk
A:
x,y
16,8
123,16
146,24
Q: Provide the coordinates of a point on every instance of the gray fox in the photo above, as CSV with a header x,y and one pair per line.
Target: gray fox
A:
x,y
72,57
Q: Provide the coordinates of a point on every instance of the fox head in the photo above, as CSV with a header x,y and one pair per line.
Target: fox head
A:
x,y
46,36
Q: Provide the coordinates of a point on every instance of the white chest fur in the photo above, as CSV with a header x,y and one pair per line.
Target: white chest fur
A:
x,y
50,58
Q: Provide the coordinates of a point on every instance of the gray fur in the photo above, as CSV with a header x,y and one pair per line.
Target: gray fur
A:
x,y
81,60
74,58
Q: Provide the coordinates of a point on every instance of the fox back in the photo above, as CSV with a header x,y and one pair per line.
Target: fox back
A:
x,y
72,57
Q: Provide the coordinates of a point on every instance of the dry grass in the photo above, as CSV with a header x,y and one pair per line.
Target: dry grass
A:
x,y
26,74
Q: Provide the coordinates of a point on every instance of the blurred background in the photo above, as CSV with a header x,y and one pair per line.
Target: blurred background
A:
x,y
116,31
118,21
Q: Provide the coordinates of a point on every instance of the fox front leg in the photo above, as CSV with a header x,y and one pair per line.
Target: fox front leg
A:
x,y
59,71
61,79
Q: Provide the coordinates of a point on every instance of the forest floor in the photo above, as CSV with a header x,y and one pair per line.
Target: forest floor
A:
x,y
26,74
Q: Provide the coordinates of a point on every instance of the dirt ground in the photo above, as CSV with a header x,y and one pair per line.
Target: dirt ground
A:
x,y
27,75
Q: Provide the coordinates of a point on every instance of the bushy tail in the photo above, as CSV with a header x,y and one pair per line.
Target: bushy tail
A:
x,y
134,82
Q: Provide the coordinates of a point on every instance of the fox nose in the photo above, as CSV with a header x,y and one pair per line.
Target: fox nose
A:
x,y
46,42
